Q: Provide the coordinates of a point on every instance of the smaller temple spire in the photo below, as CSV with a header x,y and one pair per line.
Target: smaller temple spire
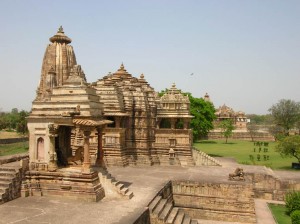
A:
x,y
60,37
207,98
121,71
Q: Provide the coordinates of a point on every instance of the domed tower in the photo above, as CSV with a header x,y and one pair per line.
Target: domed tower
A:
x,y
131,103
59,58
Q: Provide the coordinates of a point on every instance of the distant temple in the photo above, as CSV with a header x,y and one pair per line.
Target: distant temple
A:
x,y
118,120
239,118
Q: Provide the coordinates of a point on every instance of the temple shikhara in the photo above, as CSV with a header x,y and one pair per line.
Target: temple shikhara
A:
x,y
118,120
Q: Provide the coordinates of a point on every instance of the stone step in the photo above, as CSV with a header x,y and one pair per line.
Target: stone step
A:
x,y
160,207
168,208
124,190
154,203
179,218
129,194
6,178
119,187
7,173
11,169
172,216
193,221
186,219
115,182
5,184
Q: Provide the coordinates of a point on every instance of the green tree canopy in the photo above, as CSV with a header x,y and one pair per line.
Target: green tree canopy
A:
x,y
204,115
227,128
14,120
252,129
285,114
289,147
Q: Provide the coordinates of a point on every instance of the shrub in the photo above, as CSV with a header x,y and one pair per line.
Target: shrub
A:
x,y
295,217
292,202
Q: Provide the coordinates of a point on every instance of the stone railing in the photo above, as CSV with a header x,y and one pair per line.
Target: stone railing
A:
x,y
13,140
13,158
202,159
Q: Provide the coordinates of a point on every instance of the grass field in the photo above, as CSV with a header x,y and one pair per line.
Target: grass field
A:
x,y
242,150
14,148
278,212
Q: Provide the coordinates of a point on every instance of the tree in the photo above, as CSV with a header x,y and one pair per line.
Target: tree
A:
x,y
227,128
204,115
285,114
21,122
252,129
289,147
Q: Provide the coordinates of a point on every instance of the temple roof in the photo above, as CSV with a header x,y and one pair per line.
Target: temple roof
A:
x,y
93,123
121,71
60,37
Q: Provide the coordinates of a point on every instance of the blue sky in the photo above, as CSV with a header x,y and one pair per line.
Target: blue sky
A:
x,y
242,53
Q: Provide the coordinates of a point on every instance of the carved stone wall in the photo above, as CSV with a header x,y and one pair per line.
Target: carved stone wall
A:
x,y
215,201
259,136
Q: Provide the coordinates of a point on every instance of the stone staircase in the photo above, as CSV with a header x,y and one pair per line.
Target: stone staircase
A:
x,y
10,183
110,183
202,159
162,211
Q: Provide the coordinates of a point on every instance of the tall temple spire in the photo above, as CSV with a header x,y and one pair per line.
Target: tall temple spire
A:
x,y
59,60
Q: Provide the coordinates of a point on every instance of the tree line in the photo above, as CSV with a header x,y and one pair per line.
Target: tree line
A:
x,y
14,120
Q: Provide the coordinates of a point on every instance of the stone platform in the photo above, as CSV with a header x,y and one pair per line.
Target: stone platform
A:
x,y
144,182
69,183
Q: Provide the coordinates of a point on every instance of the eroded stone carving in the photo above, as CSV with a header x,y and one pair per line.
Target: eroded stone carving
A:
x,y
237,175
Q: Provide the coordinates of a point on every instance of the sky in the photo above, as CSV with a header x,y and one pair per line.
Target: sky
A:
x,y
244,54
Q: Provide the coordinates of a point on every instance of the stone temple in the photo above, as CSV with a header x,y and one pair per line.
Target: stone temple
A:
x,y
119,120
78,129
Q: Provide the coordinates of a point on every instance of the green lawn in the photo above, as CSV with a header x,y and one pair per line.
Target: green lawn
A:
x,y
14,148
278,212
241,151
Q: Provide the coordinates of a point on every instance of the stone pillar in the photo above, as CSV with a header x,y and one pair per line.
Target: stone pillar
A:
x,y
173,123
100,154
53,157
52,154
86,153
185,124
118,122
158,122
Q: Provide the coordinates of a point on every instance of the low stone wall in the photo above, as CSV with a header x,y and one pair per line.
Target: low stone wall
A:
x,y
269,187
13,158
260,136
216,201
13,140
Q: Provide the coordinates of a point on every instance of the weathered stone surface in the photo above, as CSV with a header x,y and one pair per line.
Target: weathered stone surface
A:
x,y
215,201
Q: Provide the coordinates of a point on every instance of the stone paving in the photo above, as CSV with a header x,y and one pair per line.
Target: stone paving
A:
x,y
145,182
